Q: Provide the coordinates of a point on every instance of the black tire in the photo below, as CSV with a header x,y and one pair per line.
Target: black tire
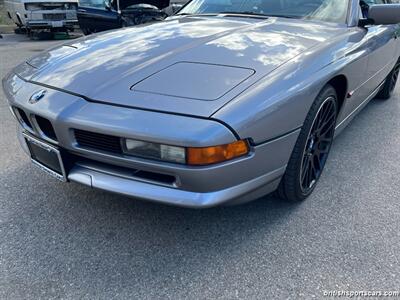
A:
x,y
20,30
44,36
390,83
317,131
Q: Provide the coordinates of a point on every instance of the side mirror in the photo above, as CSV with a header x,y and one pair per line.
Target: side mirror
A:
x,y
385,14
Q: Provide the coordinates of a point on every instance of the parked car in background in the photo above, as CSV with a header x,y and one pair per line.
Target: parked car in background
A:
x,y
55,15
99,15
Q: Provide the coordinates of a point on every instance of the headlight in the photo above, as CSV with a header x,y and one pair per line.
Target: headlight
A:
x,y
155,151
191,155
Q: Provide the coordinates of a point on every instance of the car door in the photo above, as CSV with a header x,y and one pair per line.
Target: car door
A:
x,y
382,47
376,48
93,16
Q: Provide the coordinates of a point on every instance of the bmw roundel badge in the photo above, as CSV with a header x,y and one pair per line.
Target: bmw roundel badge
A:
x,y
37,96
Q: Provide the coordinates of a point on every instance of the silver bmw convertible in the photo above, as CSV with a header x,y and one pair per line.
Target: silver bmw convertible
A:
x,y
221,103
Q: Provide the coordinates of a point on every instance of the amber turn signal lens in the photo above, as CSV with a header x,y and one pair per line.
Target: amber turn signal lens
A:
x,y
216,154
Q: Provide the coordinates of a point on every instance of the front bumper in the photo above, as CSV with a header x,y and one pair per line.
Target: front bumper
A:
x,y
44,24
241,193
46,19
97,175
232,182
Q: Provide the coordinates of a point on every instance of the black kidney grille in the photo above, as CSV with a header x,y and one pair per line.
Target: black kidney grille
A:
x,y
24,118
46,127
98,141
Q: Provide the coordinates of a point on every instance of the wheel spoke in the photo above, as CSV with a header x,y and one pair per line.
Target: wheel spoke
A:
x,y
309,177
329,120
304,174
325,140
321,131
324,150
313,173
325,114
317,165
305,164
316,124
325,130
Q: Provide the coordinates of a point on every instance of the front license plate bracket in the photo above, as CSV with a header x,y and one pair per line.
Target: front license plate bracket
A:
x,y
46,157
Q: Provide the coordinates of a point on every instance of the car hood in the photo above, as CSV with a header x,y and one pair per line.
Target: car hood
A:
x,y
186,65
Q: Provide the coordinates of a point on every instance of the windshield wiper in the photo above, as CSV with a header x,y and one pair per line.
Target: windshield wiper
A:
x,y
263,15
284,16
190,14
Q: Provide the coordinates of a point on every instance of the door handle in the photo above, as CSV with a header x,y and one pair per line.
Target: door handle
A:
x,y
81,10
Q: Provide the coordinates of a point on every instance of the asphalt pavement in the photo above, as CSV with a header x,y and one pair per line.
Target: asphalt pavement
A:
x,y
69,241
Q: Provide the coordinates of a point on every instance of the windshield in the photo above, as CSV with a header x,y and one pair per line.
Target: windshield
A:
x,y
92,3
324,10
